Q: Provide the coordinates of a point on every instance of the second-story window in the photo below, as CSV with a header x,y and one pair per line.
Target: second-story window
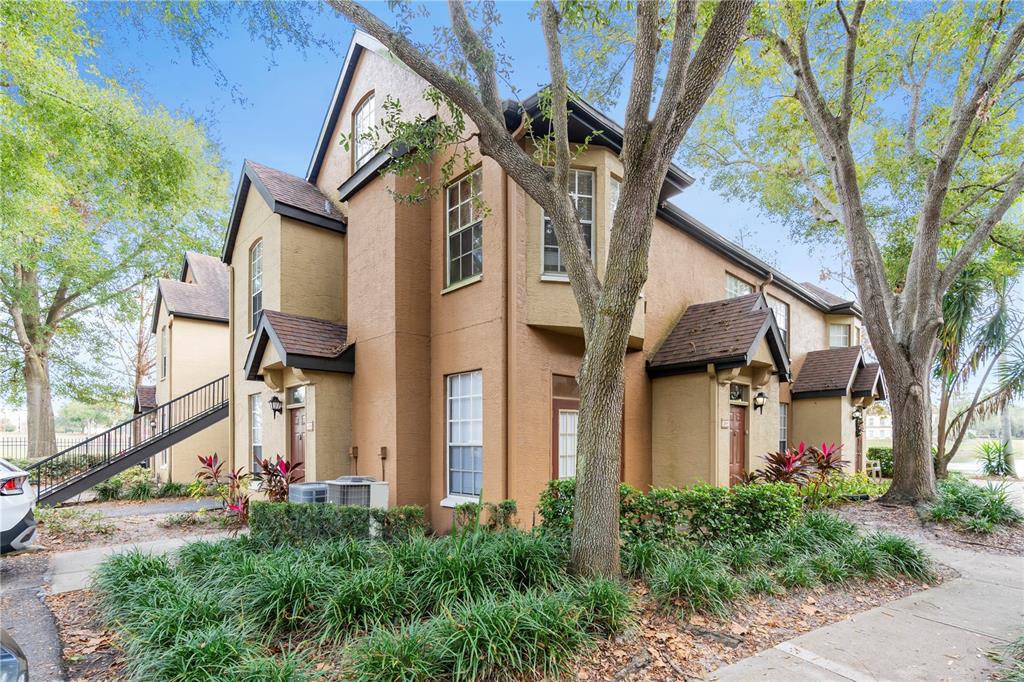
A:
x,y
163,351
838,335
465,229
581,190
781,310
734,286
255,283
362,136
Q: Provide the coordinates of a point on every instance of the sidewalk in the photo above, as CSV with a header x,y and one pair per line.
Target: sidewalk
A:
x,y
70,571
938,634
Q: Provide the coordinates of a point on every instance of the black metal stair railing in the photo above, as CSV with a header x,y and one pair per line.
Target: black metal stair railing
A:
x,y
122,441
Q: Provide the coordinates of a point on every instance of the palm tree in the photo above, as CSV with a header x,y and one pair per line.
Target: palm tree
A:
x,y
980,325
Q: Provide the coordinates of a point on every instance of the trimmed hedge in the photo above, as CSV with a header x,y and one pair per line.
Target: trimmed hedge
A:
x,y
883,456
663,514
286,523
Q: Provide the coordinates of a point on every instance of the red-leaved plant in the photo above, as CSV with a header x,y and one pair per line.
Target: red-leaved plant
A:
x,y
827,460
209,471
787,466
275,477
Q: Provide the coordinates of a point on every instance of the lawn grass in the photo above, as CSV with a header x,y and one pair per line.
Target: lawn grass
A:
x,y
476,605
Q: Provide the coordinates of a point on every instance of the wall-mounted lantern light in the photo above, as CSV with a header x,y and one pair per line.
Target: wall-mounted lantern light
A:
x,y
275,406
152,424
759,400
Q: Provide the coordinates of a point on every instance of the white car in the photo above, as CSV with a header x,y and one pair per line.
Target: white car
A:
x,y
17,499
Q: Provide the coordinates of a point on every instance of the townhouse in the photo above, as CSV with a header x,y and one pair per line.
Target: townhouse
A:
x,y
435,345
190,321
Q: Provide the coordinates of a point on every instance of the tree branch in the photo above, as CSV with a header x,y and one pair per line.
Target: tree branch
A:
x,y
849,60
982,232
480,57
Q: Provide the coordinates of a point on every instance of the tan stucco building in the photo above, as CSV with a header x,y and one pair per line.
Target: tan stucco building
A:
x,y
435,345
190,321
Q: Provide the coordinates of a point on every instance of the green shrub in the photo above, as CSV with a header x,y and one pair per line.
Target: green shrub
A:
x,y
286,523
839,487
902,556
883,456
109,489
172,489
533,634
410,654
655,515
697,577
141,490
606,605
502,515
974,507
639,558
360,600
992,457
741,511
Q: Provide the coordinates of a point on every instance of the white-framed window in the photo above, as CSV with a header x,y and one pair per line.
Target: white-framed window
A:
x,y
838,335
581,190
255,283
163,352
465,257
734,286
464,436
255,431
781,310
362,137
783,426
163,458
568,426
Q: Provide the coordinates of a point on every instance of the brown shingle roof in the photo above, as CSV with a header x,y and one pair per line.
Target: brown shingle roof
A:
x,y
828,371
205,297
302,342
868,379
719,332
301,335
828,297
145,398
292,190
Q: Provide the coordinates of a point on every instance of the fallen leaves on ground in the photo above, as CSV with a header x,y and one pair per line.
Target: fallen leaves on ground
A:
x,y
89,651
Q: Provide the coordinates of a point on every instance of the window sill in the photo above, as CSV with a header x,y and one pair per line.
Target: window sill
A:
x,y
452,501
462,283
552,277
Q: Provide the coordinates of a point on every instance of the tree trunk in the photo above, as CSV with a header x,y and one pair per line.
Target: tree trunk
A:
x,y
1006,435
42,441
942,467
595,537
913,479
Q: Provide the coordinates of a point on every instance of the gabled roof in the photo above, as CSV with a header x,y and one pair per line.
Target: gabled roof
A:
x,y
204,298
301,342
145,398
286,195
827,373
725,333
868,382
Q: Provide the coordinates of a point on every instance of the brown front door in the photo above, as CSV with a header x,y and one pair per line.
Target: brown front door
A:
x,y
859,462
298,436
737,443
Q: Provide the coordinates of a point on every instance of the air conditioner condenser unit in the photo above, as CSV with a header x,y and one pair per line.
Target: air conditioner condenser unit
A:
x,y
359,491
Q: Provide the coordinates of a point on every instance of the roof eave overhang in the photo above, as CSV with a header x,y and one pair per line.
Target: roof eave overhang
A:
x,y
370,170
825,393
691,366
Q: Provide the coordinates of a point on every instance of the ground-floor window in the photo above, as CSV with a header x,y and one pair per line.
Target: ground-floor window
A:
x,y
464,435
783,426
568,421
163,458
255,431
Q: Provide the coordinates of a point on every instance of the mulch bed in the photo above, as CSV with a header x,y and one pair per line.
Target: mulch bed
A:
x,y
905,520
89,652
670,646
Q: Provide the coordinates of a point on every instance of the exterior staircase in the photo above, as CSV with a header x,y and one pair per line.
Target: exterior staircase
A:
x,y
94,460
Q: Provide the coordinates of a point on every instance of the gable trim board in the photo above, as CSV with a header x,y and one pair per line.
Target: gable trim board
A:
x,y
837,372
343,361
250,178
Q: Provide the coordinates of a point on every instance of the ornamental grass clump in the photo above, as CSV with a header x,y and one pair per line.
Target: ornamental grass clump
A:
x,y
974,507
361,600
607,607
205,654
412,653
698,580
902,556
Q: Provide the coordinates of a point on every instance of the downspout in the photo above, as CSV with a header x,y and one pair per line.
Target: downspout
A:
x,y
231,369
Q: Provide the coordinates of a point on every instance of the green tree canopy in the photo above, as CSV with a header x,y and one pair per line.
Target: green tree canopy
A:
x,y
100,191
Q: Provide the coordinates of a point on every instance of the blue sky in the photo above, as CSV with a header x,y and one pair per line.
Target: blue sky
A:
x,y
287,92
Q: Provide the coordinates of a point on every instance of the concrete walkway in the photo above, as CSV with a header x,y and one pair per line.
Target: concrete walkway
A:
x,y
70,571
937,634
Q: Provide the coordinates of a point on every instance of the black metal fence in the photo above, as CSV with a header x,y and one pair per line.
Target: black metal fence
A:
x,y
16,447
100,450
